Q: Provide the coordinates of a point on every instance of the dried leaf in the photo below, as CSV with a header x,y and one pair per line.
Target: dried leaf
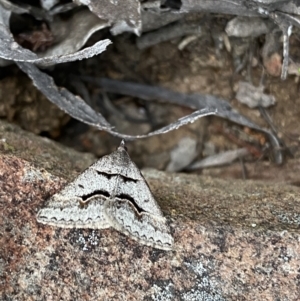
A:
x,y
62,8
182,121
240,7
83,24
22,8
224,7
11,50
123,15
85,53
71,104
154,19
13,7
222,158
194,101
78,109
48,4
167,33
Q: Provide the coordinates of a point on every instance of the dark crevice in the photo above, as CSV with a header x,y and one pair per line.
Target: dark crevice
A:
x,y
126,197
174,4
95,193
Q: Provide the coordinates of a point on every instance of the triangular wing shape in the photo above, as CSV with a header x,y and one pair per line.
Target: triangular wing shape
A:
x,y
131,182
90,216
111,192
80,204
146,228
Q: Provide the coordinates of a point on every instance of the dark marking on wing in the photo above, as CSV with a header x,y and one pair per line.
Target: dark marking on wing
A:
x,y
126,197
106,175
110,175
95,193
126,179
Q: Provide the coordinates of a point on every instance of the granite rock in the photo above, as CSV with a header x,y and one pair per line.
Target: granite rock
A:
x,y
234,240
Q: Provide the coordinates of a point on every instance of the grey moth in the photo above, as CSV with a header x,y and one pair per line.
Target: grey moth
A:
x,y
110,193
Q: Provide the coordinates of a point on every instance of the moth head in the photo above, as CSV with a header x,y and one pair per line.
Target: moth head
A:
x,y
122,146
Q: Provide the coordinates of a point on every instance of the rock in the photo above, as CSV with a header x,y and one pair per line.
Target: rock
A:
x,y
24,104
42,152
234,240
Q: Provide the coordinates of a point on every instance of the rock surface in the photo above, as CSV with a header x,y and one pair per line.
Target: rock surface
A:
x,y
234,240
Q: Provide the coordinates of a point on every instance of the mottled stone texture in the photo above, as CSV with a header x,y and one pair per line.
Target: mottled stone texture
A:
x,y
234,240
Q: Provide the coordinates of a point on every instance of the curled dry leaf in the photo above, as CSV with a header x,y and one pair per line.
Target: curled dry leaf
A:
x,y
78,109
83,24
123,15
194,101
11,50
71,104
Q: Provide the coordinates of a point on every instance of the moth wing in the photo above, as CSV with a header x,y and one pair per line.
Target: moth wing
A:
x,y
74,215
143,227
81,203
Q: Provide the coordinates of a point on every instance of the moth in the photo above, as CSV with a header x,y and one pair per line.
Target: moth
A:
x,y
110,193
